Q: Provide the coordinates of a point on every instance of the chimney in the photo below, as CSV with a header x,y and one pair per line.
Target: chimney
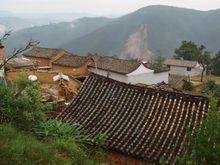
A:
x,y
1,52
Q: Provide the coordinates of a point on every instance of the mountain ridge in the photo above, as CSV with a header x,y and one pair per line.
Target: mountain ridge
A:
x,y
164,29
155,21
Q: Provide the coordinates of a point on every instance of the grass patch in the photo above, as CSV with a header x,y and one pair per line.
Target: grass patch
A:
x,y
18,148
207,78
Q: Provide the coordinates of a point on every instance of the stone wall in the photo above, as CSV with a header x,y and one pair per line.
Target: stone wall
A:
x,y
173,79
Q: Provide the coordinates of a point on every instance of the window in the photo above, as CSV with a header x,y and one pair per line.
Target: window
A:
x,y
188,69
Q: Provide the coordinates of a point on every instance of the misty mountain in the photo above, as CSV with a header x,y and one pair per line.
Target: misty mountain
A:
x,y
55,34
136,35
48,17
149,29
18,21
14,23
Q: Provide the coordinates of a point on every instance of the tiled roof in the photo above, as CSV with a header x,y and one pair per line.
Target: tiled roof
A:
x,y
42,52
182,63
141,122
157,70
22,62
71,60
165,86
114,64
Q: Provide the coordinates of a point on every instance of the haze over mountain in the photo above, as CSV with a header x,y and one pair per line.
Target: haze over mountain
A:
x,y
18,21
56,34
136,35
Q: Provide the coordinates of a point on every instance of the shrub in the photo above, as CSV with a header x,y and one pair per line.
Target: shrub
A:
x,y
21,104
56,129
204,141
188,86
212,89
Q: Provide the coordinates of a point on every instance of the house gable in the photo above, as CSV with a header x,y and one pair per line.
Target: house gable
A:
x,y
140,70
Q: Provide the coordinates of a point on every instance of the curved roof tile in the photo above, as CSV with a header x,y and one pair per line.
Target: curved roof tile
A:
x,y
141,122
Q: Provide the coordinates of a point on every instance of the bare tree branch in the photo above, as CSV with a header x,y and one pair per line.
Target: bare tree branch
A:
x,y
19,51
5,36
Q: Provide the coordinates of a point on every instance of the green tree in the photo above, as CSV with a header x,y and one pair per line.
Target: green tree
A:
x,y
204,140
188,51
216,64
158,62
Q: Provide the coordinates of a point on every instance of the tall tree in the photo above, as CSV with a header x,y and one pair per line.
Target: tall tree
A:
x,y
158,62
216,64
188,51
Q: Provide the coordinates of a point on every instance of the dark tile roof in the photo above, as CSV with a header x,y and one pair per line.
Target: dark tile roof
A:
x,y
141,122
41,52
182,63
71,60
157,70
114,64
165,86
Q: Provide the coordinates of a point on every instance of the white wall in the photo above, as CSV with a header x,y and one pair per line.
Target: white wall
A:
x,y
149,78
140,70
145,78
113,75
176,70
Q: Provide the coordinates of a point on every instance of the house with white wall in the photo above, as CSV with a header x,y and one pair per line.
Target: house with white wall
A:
x,y
127,71
184,67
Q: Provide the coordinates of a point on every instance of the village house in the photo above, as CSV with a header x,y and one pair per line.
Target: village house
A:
x,y
140,125
127,71
46,63
59,60
184,67
72,65
18,63
45,56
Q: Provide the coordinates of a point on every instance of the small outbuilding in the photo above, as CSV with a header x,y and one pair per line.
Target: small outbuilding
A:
x,y
184,67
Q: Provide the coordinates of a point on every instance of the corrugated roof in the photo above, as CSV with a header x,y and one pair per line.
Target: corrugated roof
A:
x,y
181,63
71,60
114,64
42,52
141,122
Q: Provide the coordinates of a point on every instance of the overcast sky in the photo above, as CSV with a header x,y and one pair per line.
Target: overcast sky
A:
x,y
102,7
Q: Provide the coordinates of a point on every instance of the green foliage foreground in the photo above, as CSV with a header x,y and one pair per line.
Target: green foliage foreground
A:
x,y
26,138
204,141
20,148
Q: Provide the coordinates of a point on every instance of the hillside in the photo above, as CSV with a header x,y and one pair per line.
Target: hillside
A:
x,y
150,29
136,35
56,34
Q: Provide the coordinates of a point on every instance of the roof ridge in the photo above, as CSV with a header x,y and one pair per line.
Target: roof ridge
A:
x,y
146,88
